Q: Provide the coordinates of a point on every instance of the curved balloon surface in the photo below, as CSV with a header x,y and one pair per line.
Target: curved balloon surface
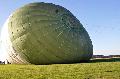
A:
x,y
44,33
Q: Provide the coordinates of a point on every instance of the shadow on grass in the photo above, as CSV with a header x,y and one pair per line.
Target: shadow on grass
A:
x,y
105,60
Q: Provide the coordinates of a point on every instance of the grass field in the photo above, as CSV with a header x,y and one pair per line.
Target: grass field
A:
x,y
95,69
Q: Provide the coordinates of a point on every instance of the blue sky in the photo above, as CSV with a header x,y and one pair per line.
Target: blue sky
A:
x,y
101,18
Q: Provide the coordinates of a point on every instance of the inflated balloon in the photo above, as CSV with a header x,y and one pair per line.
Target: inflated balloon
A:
x,y
44,33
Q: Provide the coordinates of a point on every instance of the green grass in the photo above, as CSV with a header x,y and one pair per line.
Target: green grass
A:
x,y
95,69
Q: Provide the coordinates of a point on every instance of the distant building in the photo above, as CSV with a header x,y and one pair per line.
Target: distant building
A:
x,y
102,56
116,56
98,56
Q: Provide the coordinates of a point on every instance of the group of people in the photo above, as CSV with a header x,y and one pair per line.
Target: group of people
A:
x,y
5,62
2,62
